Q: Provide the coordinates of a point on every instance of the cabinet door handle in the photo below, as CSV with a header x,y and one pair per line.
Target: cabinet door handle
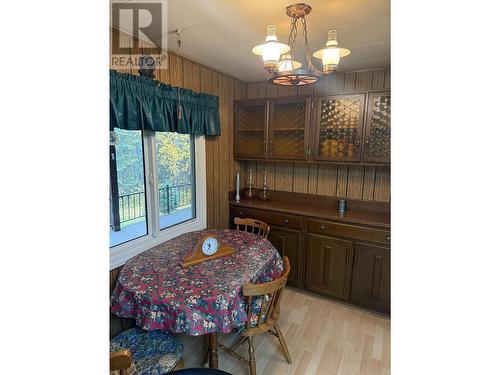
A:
x,y
355,261
322,227
286,221
241,213
388,238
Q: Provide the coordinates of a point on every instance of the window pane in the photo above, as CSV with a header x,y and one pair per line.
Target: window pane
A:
x,y
175,165
127,189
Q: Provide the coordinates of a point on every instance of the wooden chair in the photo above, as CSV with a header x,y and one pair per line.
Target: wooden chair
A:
x,y
263,311
120,361
257,227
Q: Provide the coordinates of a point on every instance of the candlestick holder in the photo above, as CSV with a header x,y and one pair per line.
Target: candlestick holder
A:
x,y
250,192
264,195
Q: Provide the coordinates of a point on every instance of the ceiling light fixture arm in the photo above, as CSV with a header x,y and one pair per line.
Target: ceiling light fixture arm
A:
x,y
293,35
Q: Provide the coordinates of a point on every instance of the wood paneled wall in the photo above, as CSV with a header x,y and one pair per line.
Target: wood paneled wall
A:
x,y
220,165
367,183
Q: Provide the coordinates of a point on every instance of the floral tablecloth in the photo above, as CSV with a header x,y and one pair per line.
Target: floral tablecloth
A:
x,y
159,294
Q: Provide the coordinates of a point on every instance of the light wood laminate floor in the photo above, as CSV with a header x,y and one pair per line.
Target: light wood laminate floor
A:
x,y
323,337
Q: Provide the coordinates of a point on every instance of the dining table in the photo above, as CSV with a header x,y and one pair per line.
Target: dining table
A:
x,y
203,299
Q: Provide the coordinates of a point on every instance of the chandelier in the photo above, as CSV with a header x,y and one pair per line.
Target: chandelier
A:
x,y
278,57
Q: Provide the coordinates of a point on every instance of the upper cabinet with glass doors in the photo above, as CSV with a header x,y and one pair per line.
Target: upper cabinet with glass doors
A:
x,y
377,147
345,128
250,136
289,128
272,129
339,128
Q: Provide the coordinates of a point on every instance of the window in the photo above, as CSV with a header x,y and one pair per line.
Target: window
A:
x,y
156,192
174,163
128,219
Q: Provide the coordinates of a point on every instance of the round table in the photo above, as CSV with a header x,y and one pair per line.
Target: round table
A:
x,y
203,299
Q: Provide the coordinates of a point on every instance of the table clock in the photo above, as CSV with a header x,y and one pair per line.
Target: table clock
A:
x,y
207,248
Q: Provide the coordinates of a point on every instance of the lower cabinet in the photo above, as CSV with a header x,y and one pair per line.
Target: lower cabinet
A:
x,y
328,265
371,277
287,242
345,261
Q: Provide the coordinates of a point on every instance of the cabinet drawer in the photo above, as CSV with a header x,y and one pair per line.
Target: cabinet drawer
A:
x,y
270,217
348,231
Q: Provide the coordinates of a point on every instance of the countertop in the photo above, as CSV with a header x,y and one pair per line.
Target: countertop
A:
x,y
325,209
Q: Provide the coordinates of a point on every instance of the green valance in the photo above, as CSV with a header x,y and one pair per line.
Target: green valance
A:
x,y
138,103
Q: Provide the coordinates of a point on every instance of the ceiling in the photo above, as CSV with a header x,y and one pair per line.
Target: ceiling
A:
x,y
221,33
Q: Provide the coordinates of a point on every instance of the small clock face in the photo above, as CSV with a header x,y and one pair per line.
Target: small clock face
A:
x,y
209,246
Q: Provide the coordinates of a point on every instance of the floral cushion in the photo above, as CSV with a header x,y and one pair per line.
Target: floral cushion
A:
x,y
255,308
153,352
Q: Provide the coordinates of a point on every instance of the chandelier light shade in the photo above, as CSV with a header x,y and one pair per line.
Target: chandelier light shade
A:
x,y
331,54
271,50
286,63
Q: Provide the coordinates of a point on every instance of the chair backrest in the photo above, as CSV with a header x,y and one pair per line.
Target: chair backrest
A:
x,y
120,361
270,295
257,227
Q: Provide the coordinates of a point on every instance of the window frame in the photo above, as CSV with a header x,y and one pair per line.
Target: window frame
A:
x,y
119,254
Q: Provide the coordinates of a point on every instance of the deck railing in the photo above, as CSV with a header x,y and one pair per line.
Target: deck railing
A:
x,y
133,206
172,197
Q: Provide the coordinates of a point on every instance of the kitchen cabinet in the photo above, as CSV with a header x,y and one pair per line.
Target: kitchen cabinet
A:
x,y
272,218
349,128
289,128
287,242
377,147
250,136
328,261
272,129
346,258
371,277
339,128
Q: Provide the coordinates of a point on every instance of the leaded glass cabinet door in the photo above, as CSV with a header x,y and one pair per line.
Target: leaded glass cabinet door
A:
x,y
339,128
377,148
289,128
250,129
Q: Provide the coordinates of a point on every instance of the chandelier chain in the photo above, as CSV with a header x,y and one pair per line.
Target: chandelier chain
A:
x,y
293,35
304,27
